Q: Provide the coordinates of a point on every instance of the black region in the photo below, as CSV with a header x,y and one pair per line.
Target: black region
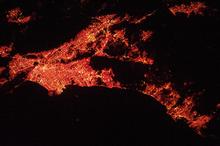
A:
x,y
89,116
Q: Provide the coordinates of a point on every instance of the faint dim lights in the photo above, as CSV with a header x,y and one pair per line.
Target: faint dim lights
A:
x,y
194,7
16,16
